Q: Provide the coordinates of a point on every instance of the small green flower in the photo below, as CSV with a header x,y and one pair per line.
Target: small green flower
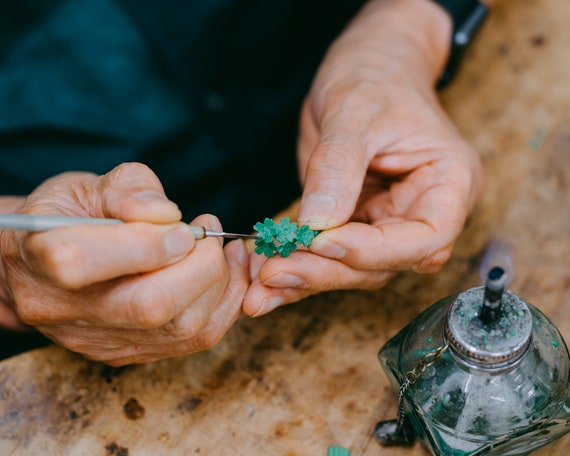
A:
x,y
287,231
266,230
264,248
285,249
305,235
281,238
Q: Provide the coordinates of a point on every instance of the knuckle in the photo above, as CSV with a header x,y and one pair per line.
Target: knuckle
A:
x,y
434,262
209,336
64,262
127,171
178,330
151,308
210,339
192,328
375,280
31,315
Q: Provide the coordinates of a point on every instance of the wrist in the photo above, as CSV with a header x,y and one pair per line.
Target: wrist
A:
x,y
412,35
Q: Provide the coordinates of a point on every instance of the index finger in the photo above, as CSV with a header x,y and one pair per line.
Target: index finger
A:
x,y
77,256
393,246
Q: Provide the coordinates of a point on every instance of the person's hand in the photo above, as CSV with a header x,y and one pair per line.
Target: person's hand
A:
x,y
128,293
385,173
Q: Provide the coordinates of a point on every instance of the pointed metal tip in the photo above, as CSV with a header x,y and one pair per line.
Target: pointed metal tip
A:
x,y
209,233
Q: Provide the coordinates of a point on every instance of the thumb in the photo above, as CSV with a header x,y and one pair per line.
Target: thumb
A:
x,y
333,181
132,192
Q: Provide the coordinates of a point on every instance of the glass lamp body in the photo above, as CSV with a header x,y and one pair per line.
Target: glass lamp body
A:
x,y
459,407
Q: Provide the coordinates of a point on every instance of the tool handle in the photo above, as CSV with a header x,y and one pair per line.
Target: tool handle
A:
x,y
199,232
37,223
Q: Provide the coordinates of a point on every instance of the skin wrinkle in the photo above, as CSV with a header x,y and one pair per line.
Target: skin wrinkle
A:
x,y
339,148
217,278
425,254
392,208
65,264
212,332
336,105
62,201
361,278
179,323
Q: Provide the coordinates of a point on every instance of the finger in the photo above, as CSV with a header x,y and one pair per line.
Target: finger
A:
x,y
255,263
307,271
393,246
77,256
285,280
336,168
260,300
131,191
448,159
333,181
225,312
153,299
144,300
120,347
238,260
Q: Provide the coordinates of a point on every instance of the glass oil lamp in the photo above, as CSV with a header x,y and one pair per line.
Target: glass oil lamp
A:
x,y
481,372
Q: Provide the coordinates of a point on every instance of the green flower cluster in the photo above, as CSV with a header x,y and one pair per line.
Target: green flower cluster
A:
x,y
281,238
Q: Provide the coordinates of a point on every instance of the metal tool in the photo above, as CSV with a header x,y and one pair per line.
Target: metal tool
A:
x,y
36,223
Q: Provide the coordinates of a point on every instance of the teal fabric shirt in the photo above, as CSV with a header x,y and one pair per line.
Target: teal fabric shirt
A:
x,y
207,93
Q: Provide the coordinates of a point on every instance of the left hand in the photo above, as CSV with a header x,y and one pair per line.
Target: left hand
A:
x,y
385,173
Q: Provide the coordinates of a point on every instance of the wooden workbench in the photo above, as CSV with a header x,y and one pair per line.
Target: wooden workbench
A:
x,y
306,377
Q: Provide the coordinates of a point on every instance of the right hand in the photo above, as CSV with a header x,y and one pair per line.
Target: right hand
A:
x,y
121,294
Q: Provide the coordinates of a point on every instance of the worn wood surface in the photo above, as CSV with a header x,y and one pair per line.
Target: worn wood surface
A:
x,y
306,377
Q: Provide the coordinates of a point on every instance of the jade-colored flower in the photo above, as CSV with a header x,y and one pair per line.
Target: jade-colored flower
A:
x,y
281,238
266,230
305,235
287,231
285,249
264,248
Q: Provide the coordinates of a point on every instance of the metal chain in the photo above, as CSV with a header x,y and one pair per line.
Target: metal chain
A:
x,y
414,375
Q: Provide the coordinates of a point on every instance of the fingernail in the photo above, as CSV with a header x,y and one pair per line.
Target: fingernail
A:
x,y
241,254
284,280
254,266
328,249
317,207
179,241
268,305
149,196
